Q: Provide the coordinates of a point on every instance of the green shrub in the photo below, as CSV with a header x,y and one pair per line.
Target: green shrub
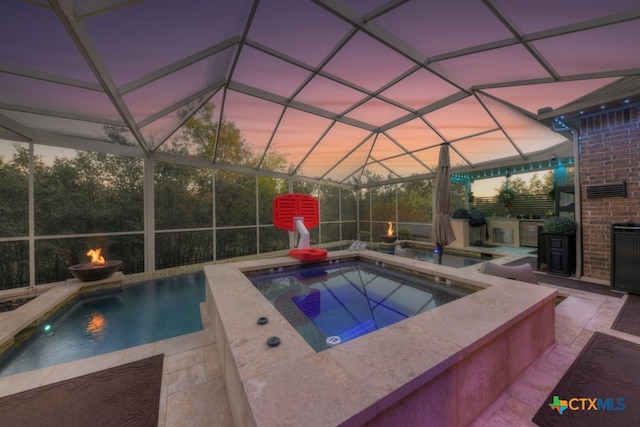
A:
x,y
560,225
404,234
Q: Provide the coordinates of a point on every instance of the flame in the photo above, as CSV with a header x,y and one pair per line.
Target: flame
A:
x,y
96,258
390,229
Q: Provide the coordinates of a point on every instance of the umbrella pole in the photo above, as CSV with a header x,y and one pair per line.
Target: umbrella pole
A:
x,y
440,248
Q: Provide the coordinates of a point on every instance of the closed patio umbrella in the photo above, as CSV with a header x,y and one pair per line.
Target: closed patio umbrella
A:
x,y
442,231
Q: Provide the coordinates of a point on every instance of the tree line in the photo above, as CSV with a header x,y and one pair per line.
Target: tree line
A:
x,y
93,199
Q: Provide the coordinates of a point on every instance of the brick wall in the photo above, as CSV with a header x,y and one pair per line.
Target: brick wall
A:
x,y
610,154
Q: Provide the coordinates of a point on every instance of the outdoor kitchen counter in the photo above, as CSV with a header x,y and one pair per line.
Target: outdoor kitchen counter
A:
x,y
512,232
500,231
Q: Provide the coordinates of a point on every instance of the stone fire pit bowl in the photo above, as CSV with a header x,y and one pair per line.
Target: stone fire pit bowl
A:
x,y
388,239
89,272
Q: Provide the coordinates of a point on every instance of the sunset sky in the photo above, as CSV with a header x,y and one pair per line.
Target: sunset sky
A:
x,y
340,87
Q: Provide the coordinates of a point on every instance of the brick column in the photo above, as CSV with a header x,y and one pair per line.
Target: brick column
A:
x,y
610,154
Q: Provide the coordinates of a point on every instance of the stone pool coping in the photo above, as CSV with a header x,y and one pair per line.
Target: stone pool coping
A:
x,y
445,365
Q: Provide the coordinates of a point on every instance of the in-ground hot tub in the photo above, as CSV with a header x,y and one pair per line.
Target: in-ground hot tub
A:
x,y
445,365
330,303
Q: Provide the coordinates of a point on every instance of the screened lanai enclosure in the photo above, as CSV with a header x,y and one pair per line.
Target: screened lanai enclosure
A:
x,y
161,130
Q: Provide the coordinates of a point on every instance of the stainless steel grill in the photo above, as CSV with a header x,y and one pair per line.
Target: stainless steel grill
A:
x,y
477,223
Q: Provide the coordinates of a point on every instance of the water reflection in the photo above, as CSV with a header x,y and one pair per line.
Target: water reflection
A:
x,y
96,326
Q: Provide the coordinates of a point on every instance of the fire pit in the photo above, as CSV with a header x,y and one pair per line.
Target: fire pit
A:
x,y
389,237
97,269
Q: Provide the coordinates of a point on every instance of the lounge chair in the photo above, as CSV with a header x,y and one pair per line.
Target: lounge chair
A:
x,y
523,272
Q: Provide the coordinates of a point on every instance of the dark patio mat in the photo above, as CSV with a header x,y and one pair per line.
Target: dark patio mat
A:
x,y
127,395
607,371
566,282
628,319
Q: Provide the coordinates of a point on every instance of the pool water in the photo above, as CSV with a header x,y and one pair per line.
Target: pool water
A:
x,y
450,259
349,299
107,321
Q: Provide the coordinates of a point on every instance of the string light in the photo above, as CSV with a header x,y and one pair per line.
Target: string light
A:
x,y
523,168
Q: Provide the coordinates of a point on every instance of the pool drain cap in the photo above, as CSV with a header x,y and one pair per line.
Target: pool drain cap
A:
x,y
263,320
273,341
333,340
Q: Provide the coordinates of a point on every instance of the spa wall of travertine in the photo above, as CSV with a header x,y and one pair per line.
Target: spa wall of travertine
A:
x,y
445,365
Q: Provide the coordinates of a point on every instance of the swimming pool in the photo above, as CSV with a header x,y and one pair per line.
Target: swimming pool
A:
x,y
426,252
110,320
451,258
331,303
